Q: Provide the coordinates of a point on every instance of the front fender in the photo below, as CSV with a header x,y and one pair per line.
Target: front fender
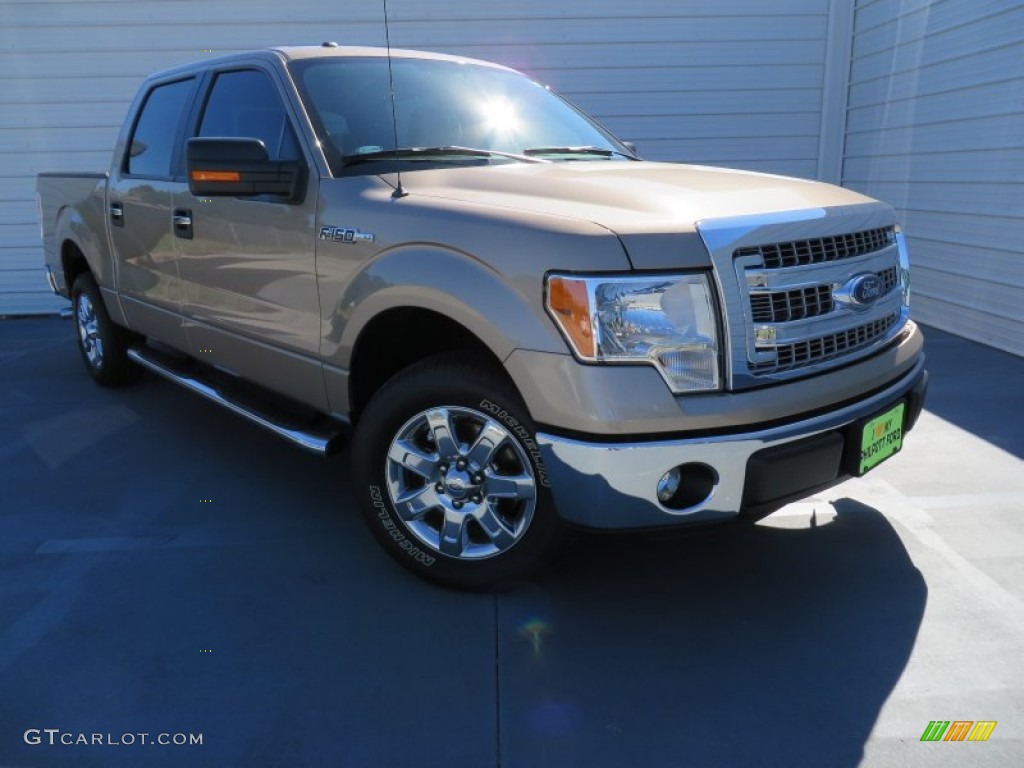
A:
x,y
450,283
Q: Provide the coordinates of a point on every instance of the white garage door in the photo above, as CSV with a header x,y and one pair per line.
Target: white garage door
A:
x,y
936,127
734,82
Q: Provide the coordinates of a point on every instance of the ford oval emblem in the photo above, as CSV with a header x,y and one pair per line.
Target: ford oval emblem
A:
x,y
866,289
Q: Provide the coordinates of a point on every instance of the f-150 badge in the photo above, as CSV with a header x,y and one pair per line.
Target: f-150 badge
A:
x,y
345,235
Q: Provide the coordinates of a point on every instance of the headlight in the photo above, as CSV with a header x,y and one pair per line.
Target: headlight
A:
x,y
666,320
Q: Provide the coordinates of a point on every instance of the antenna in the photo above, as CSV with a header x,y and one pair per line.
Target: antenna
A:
x,y
399,190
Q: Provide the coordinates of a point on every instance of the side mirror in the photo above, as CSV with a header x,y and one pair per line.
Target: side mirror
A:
x,y
631,147
240,168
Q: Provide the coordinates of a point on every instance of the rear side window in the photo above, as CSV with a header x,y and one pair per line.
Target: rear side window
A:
x,y
152,144
245,104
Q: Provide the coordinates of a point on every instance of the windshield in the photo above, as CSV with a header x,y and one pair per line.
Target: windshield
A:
x,y
441,104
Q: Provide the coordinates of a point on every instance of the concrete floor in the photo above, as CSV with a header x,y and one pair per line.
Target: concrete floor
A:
x,y
168,568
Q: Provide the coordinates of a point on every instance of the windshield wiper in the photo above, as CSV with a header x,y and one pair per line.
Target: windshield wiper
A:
x,y
587,150
433,152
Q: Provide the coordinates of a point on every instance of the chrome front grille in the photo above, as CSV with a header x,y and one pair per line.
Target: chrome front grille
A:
x,y
784,306
828,347
807,291
803,303
890,279
821,249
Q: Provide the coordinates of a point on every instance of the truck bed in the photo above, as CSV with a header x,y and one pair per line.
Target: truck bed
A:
x,y
73,203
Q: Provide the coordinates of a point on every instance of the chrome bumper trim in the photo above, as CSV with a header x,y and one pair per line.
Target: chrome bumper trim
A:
x,y
613,485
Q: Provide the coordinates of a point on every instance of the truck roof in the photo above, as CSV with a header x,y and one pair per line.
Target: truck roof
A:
x,y
322,51
328,50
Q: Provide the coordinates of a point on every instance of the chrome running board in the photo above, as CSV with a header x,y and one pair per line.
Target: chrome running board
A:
x,y
321,439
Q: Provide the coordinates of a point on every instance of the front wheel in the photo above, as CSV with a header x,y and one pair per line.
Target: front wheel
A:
x,y
450,476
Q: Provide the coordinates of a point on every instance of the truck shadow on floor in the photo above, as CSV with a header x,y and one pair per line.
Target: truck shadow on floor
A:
x,y
749,645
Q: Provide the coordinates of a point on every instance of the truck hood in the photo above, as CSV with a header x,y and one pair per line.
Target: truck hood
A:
x,y
641,202
629,197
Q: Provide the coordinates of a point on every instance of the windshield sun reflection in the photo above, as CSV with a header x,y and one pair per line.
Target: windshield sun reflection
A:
x,y
500,116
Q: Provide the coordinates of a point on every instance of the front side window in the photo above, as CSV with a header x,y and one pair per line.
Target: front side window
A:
x,y
152,144
245,104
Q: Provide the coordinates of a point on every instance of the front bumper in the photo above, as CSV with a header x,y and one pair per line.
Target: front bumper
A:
x,y
614,485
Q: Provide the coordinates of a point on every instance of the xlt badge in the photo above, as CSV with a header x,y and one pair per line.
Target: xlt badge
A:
x,y
345,235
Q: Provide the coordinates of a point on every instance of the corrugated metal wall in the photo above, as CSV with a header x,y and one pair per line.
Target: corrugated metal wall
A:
x,y
735,82
935,126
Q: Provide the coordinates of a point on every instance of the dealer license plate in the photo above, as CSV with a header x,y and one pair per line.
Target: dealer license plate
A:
x,y
881,438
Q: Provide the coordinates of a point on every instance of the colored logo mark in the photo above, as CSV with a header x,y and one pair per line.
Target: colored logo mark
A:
x,y
958,730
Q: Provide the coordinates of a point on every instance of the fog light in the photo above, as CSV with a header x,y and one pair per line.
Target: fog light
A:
x,y
687,486
668,485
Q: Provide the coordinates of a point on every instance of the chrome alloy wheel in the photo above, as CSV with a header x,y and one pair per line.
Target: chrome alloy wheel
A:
x,y
461,483
89,331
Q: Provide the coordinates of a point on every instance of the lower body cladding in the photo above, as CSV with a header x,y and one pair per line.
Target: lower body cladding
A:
x,y
621,485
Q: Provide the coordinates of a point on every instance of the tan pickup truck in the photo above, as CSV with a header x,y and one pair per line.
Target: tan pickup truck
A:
x,y
516,322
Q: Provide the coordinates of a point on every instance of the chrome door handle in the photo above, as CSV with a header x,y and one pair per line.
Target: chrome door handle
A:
x,y
182,220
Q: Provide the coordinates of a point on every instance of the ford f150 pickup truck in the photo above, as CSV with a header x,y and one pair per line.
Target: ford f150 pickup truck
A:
x,y
516,322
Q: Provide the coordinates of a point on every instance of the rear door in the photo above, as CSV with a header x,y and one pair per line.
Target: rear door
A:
x,y
139,201
247,264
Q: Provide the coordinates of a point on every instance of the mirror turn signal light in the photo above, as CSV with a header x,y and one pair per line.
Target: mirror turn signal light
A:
x,y
216,176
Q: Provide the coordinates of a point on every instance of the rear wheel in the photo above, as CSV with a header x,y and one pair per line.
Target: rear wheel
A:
x,y
450,476
103,344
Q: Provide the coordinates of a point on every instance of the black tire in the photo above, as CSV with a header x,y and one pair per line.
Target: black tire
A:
x,y
480,481
103,344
